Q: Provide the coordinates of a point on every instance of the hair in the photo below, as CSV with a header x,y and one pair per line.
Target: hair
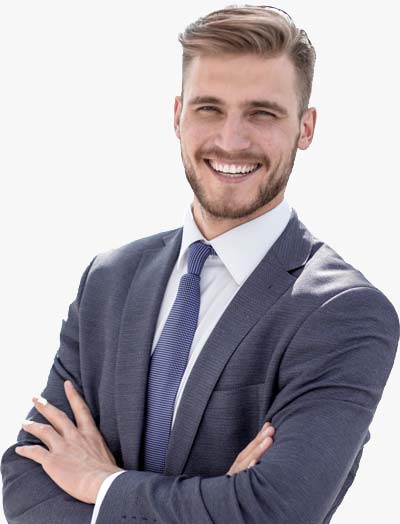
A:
x,y
265,31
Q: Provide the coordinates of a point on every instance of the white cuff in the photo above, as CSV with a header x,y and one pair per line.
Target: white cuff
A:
x,y
102,493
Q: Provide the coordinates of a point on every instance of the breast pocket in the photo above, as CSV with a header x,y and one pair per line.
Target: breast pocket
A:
x,y
231,420
234,403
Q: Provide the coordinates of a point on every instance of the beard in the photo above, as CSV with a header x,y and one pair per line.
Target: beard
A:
x,y
267,191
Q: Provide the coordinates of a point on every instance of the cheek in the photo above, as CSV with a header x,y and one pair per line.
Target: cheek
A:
x,y
276,141
195,138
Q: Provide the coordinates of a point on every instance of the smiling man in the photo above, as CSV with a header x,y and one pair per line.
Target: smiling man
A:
x,y
239,127
185,352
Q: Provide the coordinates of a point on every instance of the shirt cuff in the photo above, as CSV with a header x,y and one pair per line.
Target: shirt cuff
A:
x,y
102,493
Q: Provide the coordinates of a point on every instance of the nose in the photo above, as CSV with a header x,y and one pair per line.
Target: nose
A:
x,y
232,135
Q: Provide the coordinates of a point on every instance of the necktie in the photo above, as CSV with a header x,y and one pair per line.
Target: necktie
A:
x,y
169,359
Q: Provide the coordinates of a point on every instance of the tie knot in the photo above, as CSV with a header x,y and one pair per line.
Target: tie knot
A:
x,y
198,253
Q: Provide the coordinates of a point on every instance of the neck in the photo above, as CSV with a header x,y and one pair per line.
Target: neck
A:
x,y
211,226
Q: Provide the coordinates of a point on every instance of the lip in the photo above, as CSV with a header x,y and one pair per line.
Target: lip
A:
x,y
231,180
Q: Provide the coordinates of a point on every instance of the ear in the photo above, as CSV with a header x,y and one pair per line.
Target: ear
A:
x,y
307,127
177,115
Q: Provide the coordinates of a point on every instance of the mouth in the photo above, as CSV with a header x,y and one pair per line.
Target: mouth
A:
x,y
232,172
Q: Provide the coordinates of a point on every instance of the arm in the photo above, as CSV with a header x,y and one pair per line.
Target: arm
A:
x,y
29,495
102,493
247,458
56,475
332,377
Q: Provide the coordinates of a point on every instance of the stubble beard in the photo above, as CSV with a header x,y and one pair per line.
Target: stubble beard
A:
x,y
276,182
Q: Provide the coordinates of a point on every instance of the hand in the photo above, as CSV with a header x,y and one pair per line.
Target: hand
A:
x,y
249,456
78,459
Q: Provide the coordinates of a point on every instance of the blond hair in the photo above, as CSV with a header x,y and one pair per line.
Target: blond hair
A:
x,y
262,30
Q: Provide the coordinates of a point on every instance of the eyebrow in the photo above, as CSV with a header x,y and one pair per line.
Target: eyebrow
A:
x,y
274,106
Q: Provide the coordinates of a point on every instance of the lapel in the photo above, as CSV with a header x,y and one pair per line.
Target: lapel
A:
x,y
264,286
138,324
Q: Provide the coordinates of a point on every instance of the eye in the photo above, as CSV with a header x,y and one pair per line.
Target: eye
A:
x,y
207,108
264,113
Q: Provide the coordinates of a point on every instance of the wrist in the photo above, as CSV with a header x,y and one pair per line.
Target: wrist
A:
x,y
98,478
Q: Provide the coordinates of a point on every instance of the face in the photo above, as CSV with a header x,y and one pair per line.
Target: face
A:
x,y
239,132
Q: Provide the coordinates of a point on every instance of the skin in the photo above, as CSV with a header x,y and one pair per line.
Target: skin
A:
x,y
78,459
235,133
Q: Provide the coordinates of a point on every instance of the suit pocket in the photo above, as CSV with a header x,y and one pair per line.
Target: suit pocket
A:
x,y
237,402
230,421
234,415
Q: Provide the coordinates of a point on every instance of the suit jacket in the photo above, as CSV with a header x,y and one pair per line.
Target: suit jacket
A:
x,y
307,343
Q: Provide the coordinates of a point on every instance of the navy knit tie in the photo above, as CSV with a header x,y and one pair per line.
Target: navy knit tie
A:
x,y
169,359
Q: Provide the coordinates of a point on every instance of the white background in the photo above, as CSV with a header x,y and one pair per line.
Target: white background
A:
x,y
89,161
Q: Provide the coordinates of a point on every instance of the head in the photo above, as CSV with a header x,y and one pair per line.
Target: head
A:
x,y
246,83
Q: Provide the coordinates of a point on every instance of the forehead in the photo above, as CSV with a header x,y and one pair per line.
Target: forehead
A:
x,y
236,77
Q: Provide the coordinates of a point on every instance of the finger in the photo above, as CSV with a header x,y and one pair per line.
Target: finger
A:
x,y
255,454
259,451
44,432
255,449
266,431
57,418
83,416
35,452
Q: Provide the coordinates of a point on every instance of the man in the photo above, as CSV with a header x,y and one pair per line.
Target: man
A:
x,y
183,344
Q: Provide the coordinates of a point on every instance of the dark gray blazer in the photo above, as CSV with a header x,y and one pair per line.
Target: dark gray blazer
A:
x,y
307,343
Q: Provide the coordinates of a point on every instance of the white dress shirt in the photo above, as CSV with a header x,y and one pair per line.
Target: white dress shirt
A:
x,y
239,251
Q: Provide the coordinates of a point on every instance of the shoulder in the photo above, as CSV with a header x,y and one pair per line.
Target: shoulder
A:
x,y
325,273
340,296
127,255
325,284
115,267
328,273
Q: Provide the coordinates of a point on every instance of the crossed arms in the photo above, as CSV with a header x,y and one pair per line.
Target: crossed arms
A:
x,y
325,404
77,458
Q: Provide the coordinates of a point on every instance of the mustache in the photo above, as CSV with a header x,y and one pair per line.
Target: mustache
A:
x,y
248,157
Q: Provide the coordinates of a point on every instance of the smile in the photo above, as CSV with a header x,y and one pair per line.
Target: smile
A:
x,y
231,172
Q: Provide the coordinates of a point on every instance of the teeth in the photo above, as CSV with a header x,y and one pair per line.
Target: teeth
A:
x,y
233,169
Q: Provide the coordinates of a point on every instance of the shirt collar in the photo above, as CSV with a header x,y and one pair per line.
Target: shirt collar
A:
x,y
243,247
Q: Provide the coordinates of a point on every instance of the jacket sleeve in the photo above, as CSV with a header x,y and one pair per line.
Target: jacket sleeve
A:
x,y
331,378
29,495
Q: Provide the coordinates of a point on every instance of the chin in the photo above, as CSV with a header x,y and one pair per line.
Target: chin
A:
x,y
229,211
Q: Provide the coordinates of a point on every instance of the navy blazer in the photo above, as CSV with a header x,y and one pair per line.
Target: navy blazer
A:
x,y
307,343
